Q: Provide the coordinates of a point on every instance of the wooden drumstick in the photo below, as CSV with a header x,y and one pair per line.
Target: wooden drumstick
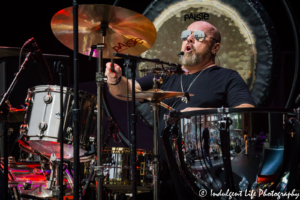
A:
x,y
112,66
166,106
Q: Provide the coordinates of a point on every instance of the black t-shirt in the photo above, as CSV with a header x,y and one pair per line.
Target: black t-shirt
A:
x,y
213,88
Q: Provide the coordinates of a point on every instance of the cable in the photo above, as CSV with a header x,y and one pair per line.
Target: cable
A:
x,y
108,113
116,3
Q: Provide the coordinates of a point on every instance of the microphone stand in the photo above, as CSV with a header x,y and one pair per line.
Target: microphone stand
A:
x,y
132,64
4,107
76,110
61,166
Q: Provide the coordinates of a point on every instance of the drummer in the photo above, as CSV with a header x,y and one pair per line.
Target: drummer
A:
x,y
212,85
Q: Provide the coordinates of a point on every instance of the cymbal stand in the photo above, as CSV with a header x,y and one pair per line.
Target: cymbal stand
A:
x,y
155,109
98,169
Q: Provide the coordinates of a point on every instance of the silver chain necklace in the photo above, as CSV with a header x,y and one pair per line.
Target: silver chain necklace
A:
x,y
184,98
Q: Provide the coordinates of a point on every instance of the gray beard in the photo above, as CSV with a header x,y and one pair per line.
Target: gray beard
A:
x,y
189,61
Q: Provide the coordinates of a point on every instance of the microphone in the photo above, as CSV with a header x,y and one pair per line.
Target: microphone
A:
x,y
180,54
43,68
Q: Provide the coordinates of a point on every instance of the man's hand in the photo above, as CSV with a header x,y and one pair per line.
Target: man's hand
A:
x,y
112,77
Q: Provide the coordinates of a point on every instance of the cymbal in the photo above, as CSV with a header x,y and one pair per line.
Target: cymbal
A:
x,y
128,32
15,115
155,95
11,51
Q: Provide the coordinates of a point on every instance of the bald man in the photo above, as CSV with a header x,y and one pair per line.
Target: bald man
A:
x,y
212,86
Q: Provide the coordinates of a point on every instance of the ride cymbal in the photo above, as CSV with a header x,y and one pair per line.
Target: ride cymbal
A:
x,y
127,32
155,95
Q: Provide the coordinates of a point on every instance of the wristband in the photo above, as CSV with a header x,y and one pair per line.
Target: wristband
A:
x,y
118,81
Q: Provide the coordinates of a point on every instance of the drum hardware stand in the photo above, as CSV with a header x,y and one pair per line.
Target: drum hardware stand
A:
x,y
76,111
295,140
224,124
55,165
60,71
100,79
4,107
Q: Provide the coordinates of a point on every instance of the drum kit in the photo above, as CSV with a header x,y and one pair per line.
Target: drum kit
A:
x,y
45,123
49,124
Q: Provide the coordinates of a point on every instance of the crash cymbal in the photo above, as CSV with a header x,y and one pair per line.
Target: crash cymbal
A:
x,y
11,51
15,115
156,95
128,32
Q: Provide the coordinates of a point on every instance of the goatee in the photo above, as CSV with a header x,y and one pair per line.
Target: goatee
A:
x,y
189,60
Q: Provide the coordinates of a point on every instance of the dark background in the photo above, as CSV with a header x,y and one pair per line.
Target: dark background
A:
x,y
21,20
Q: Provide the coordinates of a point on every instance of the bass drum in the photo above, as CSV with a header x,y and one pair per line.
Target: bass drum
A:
x,y
257,163
43,120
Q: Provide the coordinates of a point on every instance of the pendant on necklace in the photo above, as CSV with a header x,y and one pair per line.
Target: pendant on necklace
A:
x,y
184,99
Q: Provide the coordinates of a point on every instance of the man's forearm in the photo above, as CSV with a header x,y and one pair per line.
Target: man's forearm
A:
x,y
120,88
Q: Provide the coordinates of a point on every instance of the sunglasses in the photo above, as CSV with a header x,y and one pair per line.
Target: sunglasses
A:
x,y
198,35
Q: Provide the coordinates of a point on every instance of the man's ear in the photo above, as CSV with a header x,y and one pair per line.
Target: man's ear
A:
x,y
216,48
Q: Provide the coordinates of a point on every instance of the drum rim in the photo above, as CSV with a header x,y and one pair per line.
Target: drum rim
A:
x,y
66,90
233,110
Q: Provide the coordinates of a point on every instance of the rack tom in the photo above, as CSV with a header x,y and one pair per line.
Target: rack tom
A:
x,y
43,118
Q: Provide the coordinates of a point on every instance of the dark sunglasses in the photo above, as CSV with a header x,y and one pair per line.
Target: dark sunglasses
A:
x,y
198,35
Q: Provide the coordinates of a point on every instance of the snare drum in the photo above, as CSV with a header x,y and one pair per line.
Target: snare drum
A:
x,y
116,162
43,120
264,157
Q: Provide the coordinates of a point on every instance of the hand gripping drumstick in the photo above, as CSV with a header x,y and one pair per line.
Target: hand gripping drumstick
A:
x,y
112,66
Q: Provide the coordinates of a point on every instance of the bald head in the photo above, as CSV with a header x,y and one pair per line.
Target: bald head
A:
x,y
207,28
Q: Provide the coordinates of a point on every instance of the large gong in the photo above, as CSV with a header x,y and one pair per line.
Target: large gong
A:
x,y
248,39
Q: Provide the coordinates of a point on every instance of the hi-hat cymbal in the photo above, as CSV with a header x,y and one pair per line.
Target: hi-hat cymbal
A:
x,y
156,95
128,32
11,51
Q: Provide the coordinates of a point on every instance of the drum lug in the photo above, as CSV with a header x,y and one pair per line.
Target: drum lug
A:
x,y
98,171
43,126
69,130
48,99
11,160
28,101
27,185
23,128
